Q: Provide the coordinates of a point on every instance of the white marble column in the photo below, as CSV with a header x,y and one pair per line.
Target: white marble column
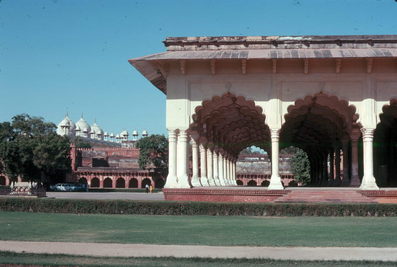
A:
x,y
225,174
234,172
183,178
368,182
275,179
172,146
355,179
195,165
215,164
220,169
210,173
203,166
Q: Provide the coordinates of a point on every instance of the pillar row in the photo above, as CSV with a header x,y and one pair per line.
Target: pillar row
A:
x,y
210,176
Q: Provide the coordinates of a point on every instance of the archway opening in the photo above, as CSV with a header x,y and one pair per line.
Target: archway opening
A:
x,y
229,124
239,182
385,147
94,182
2,180
251,183
107,183
253,163
145,182
321,126
83,180
265,183
133,183
120,183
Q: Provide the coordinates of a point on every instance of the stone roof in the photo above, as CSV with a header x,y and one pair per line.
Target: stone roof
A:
x,y
264,47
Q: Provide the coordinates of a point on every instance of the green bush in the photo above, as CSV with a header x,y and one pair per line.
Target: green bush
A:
x,y
193,208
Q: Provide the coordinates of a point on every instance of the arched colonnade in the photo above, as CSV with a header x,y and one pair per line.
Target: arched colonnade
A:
x,y
327,128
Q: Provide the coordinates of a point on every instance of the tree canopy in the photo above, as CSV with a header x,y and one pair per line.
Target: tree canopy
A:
x,y
300,165
153,152
30,149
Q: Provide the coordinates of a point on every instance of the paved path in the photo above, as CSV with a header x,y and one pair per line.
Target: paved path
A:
x,y
142,250
107,195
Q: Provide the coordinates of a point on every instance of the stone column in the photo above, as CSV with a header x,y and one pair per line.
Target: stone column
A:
x,y
210,176
220,169
355,179
345,149
368,182
172,146
203,166
225,170
195,165
275,180
331,167
215,164
337,167
183,178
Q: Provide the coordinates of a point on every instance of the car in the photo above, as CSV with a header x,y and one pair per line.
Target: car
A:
x,y
69,187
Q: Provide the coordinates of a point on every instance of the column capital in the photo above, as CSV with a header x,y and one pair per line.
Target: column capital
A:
x,y
368,134
275,134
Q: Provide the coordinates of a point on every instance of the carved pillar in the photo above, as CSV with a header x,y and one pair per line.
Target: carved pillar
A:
x,y
210,176
195,165
368,182
183,179
355,179
215,164
331,167
172,146
345,148
203,165
220,169
275,180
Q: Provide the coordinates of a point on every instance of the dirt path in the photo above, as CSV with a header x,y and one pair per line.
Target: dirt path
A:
x,y
182,251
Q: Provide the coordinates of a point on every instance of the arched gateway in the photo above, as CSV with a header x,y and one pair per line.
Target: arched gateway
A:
x,y
323,94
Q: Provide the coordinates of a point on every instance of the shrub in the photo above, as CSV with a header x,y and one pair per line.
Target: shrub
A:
x,y
193,208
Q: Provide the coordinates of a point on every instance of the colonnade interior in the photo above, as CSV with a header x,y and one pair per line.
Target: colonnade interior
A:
x,y
385,147
324,126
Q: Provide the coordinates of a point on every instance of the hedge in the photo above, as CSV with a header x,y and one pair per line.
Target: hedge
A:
x,y
192,208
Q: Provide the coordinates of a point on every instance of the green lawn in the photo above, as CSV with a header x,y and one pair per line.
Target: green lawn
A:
x,y
201,230
65,260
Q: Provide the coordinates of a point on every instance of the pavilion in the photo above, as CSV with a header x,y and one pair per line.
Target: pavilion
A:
x,y
335,97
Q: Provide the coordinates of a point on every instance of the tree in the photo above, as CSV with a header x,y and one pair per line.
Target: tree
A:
x,y
153,153
30,148
300,166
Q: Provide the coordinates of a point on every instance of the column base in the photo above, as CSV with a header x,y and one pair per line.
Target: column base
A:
x,y
183,182
195,181
204,181
275,183
171,182
211,181
355,181
369,183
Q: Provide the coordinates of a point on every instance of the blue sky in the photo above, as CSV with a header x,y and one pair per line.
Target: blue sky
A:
x,y
60,56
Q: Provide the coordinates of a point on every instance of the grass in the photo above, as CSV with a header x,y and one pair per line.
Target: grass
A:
x,y
201,230
65,260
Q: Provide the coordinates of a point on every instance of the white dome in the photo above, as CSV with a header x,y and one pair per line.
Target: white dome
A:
x,y
106,134
83,125
135,133
124,133
112,135
66,127
144,133
96,129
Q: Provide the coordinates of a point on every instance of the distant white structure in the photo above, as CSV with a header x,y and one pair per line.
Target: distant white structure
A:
x,y
94,132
